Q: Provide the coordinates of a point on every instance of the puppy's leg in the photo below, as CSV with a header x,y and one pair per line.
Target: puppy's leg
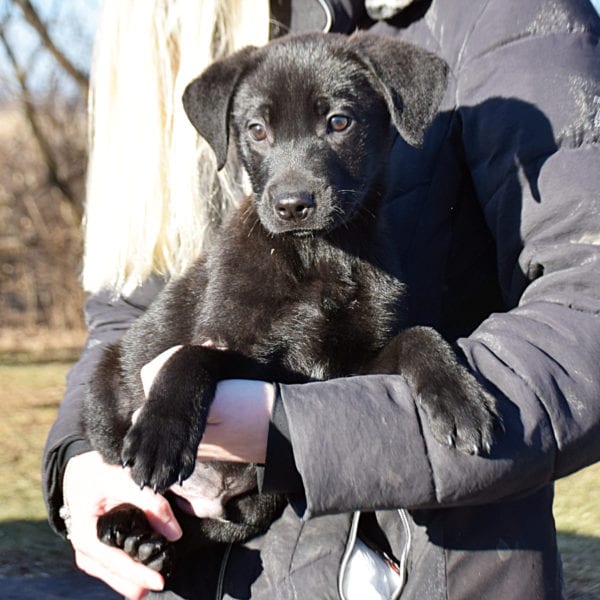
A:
x,y
160,447
107,406
460,412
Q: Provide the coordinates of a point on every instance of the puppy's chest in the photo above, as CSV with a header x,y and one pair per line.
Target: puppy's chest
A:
x,y
359,312
332,320
265,307
322,318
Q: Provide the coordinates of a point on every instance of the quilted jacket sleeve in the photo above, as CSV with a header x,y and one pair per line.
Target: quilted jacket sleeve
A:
x,y
363,442
542,356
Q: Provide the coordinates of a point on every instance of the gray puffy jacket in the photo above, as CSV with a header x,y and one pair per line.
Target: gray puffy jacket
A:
x,y
497,220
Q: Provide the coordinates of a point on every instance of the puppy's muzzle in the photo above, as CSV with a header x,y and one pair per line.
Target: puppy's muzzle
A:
x,y
294,208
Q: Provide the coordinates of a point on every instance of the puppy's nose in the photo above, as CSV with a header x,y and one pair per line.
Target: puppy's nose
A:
x,y
297,206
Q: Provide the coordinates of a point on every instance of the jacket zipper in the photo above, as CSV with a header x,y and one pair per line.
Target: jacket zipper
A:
x,y
328,15
347,552
352,535
402,567
221,580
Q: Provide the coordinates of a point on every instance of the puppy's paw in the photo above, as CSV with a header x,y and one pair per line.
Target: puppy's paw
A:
x,y
127,528
160,449
460,412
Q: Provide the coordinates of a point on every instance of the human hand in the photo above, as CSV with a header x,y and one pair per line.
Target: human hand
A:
x,y
91,488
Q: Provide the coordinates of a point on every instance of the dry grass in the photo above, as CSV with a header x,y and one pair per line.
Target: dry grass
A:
x,y
37,345
577,514
29,397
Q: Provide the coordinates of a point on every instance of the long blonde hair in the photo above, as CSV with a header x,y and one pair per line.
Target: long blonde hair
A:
x,y
152,189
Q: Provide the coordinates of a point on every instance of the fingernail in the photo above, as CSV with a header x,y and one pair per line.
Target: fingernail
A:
x,y
173,531
156,582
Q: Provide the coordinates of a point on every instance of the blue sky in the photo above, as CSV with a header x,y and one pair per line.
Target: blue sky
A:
x,y
71,23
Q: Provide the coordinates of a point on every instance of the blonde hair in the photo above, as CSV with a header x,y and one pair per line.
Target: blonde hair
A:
x,y
153,194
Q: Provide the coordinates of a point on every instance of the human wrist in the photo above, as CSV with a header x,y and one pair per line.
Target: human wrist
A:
x,y
76,447
71,478
238,422
74,466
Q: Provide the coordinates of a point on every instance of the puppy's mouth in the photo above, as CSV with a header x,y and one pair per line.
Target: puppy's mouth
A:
x,y
304,214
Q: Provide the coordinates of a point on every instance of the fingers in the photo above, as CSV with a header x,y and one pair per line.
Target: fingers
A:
x,y
90,489
160,516
109,565
155,506
211,344
150,370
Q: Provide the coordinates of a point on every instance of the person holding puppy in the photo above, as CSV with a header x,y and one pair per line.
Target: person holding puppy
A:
x,y
498,234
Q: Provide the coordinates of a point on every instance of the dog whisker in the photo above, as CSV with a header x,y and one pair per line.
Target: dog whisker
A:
x,y
256,222
367,211
247,212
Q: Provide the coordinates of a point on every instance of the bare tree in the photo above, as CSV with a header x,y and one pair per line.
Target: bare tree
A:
x,y
43,146
34,119
32,17
48,150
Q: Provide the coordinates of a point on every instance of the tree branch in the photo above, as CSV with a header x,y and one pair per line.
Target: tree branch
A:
x,y
41,139
32,17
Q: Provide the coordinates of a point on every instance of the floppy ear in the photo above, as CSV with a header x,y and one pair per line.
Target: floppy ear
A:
x,y
411,80
207,100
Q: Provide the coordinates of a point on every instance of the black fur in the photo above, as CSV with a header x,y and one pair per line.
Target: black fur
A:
x,y
298,286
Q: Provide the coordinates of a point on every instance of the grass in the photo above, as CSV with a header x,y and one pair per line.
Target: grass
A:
x,y
577,515
29,397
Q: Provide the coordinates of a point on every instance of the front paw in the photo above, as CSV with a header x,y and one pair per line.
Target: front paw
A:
x,y
460,412
127,528
160,449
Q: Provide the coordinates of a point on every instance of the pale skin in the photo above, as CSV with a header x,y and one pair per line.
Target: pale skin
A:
x,y
237,429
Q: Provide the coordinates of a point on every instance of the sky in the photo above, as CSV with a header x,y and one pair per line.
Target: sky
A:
x,y
71,23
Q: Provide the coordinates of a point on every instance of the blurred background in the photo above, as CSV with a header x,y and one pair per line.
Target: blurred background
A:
x,y
45,54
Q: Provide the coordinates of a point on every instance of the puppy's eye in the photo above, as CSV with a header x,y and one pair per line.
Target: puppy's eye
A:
x,y
257,131
339,123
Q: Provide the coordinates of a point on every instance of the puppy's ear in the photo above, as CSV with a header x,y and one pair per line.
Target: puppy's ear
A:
x,y
207,100
411,80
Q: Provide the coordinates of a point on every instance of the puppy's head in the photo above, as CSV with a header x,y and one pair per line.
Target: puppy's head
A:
x,y
313,118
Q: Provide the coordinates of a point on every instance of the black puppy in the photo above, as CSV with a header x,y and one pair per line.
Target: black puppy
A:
x,y
298,286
